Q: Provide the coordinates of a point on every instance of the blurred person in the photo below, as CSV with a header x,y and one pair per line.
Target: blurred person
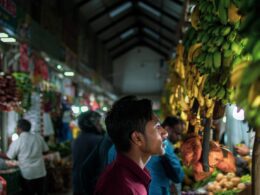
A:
x,y
137,134
91,134
237,136
29,149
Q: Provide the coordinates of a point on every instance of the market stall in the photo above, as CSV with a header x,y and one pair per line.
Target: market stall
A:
x,y
216,67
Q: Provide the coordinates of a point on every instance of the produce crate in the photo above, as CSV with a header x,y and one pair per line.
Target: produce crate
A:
x,y
13,180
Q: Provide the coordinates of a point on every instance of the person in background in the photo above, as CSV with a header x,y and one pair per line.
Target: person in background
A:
x,y
166,168
137,134
91,134
238,138
175,127
29,149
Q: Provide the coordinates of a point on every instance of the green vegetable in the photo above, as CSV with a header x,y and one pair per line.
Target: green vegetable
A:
x,y
246,178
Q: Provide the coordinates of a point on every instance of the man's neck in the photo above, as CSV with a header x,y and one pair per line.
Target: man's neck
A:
x,y
139,158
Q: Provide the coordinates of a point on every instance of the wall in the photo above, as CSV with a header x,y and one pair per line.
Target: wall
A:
x,y
139,72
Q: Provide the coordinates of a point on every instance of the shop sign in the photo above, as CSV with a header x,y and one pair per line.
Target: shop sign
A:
x,y
8,13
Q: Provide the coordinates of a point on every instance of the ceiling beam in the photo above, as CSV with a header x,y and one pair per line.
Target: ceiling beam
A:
x,y
108,26
106,11
151,19
121,43
160,34
172,17
156,42
145,43
179,2
125,50
81,3
116,35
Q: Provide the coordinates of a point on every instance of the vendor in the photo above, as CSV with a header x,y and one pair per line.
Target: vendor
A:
x,y
28,149
237,135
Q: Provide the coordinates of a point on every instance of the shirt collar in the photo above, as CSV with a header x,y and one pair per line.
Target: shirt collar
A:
x,y
142,174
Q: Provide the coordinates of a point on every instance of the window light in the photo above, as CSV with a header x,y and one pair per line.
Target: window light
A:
x,y
120,9
59,67
3,35
152,33
127,33
69,74
149,9
84,108
8,40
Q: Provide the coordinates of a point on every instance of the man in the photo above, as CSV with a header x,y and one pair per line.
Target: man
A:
x,y
89,137
137,134
29,149
238,137
165,168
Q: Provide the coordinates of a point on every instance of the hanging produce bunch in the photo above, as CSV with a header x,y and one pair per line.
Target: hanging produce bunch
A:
x,y
24,88
214,45
8,95
175,83
246,74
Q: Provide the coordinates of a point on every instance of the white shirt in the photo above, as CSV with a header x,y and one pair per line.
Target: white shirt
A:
x,y
236,130
29,148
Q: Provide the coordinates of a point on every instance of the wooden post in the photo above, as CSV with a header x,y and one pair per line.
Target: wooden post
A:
x,y
256,164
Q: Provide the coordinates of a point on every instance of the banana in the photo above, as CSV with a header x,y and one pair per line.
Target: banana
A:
x,y
210,110
222,12
233,15
225,31
209,101
192,50
237,73
256,102
182,71
254,94
195,17
236,48
201,99
217,60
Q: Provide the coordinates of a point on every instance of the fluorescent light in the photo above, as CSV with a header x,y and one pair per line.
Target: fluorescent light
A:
x,y
120,9
47,59
8,40
75,109
59,67
104,109
3,35
152,33
69,74
84,108
127,33
149,8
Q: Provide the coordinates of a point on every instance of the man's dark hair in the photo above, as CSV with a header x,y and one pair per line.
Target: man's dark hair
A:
x,y
171,121
87,121
127,115
24,125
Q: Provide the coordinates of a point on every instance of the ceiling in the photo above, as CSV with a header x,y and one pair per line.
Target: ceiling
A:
x,y
126,28
122,25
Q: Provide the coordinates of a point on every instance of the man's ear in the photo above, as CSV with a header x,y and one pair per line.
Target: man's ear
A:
x,y
137,138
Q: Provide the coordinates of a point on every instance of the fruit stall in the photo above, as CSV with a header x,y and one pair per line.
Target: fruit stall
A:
x,y
217,63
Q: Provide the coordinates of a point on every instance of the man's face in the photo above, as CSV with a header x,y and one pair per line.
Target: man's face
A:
x,y
175,132
18,130
154,136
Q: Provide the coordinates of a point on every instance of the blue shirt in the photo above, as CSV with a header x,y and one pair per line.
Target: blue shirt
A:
x,y
160,184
